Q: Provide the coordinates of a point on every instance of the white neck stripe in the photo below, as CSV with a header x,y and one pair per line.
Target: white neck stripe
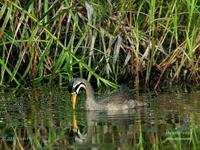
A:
x,y
79,87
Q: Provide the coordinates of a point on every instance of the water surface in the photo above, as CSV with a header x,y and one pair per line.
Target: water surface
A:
x,y
43,119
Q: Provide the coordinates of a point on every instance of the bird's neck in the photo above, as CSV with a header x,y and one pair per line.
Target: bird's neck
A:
x,y
90,98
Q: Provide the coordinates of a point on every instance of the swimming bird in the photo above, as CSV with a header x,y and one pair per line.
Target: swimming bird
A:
x,y
118,101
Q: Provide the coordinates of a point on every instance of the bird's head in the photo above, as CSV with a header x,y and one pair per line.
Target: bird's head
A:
x,y
74,87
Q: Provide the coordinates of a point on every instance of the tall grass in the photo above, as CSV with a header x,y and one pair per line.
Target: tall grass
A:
x,y
153,43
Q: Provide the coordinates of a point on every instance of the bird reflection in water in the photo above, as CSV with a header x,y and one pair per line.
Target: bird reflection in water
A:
x,y
114,127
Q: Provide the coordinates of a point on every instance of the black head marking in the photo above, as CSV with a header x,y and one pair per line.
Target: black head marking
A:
x,y
70,87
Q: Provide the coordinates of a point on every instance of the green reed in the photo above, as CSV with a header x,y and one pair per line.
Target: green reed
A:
x,y
148,42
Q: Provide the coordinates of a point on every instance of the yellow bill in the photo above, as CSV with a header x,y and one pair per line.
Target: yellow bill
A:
x,y
73,99
74,123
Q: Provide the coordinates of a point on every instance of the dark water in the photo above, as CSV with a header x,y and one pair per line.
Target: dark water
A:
x,y
43,119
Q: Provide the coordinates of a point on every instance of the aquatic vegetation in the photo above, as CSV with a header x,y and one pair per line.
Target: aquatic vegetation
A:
x,y
152,43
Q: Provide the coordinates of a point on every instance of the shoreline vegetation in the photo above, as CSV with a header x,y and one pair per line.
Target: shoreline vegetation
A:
x,y
153,44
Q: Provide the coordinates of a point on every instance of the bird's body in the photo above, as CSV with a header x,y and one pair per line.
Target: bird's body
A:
x,y
119,101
